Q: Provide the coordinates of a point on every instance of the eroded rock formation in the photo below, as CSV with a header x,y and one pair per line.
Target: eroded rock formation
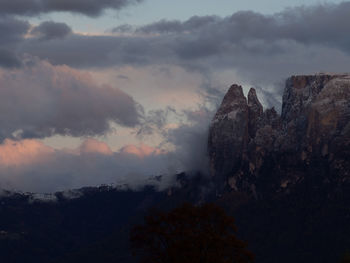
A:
x,y
262,152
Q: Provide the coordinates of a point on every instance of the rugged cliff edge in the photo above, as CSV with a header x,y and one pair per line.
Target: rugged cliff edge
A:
x,y
262,152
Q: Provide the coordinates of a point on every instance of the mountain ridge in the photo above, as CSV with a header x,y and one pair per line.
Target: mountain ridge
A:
x,y
312,132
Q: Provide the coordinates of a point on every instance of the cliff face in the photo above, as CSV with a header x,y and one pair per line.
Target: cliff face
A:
x,y
260,152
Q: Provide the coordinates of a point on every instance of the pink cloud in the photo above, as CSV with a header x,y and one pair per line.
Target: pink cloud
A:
x,y
142,150
94,146
17,153
30,151
30,165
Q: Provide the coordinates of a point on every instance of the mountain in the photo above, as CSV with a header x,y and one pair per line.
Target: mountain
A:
x,y
263,153
286,178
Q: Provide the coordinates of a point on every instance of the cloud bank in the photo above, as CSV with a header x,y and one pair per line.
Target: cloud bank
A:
x,y
30,165
40,100
86,7
260,47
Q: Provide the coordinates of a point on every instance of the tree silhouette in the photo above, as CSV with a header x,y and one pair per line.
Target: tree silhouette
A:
x,y
345,258
189,234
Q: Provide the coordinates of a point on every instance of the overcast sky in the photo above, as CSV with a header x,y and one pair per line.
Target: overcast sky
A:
x,y
153,10
108,91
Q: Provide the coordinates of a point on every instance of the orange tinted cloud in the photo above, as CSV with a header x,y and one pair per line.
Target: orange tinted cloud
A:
x,y
26,152
95,146
30,165
142,151
17,153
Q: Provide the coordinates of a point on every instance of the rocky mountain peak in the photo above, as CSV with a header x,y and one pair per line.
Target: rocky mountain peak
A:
x,y
233,102
300,91
253,100
262,152
255,112
229,131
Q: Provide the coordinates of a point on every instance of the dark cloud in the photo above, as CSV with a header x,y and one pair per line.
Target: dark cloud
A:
x,y
322,24
98,51
175,26
163,26
258,47
12,32
50,30
40,100
8,59
125,28
169,26
85,7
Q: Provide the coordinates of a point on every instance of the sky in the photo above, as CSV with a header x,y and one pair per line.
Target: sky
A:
x,y
117,91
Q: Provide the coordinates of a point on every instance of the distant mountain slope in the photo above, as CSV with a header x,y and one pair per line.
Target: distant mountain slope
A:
x,y
47,231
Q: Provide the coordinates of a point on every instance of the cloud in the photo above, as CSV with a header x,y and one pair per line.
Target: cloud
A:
x,y
193,24
40,100
84,51
260,48
95,146
125,28
9,59
30,165
187,137
321,24
190,140
50,30
19,153
141,151
85,7
12,32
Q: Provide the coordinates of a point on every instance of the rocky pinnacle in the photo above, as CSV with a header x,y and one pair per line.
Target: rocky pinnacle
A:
x,y
262,152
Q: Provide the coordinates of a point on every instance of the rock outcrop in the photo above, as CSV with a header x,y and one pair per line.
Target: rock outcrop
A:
x,y
229,132
262,152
